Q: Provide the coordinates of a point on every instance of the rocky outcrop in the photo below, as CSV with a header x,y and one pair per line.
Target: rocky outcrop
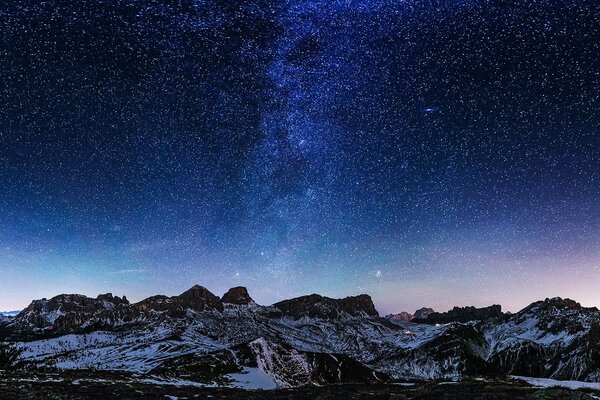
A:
x,y
66,311
423,313
358,305
197,298
317,306
556,304
75,302
320,340
401,316
70,313
462,314
158,303
237,295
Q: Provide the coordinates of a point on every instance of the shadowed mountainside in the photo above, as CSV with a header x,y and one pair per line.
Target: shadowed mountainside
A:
x,y
202,339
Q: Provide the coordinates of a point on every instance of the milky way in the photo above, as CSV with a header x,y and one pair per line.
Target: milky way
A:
x,y
430,153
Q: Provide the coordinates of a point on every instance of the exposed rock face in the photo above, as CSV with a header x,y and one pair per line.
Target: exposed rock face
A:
x,y
70,312
555,304
401,316
318,306
237,295
463,314
66,311
555,338
422,313
75,302
193,335
109,301
356,305
199,298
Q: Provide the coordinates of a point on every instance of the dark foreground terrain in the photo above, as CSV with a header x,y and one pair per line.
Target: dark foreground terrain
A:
x,y
93,387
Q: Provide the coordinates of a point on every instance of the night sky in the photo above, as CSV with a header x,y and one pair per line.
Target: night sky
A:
x,y
429,153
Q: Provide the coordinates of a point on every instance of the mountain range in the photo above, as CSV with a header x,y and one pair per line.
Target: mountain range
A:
x,y
202,339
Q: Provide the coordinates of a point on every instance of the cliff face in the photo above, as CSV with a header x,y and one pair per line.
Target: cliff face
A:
x,y
462,314
73,312
199,298
67,311
401,316
237,295
317,306
423,313
307,340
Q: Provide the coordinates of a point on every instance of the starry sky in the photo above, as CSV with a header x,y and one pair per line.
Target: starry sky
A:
x,y
429,153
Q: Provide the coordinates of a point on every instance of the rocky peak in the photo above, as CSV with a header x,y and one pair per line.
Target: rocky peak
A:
x,y
237,295
554,305
423,313
401,316
318,306
199,298
67,303
561,304
355,305
66,311
69,312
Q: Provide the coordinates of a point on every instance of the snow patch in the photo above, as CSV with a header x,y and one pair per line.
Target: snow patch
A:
x,y
252,378
545,382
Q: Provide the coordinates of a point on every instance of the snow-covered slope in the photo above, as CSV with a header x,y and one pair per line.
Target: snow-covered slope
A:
x,y
145,345
313,340
555,338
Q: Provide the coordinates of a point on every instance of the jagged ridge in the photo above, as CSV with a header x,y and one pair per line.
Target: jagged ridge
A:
x,y
307,340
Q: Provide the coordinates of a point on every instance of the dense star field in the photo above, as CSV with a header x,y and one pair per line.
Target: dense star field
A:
x,y
430,153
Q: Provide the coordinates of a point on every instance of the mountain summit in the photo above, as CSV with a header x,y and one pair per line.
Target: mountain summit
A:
x,y
199,298
237,295
318,306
